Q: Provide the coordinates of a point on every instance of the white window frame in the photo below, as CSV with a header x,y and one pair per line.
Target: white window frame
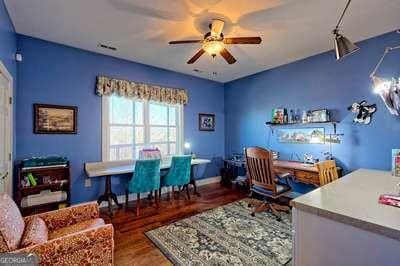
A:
x,y
105,112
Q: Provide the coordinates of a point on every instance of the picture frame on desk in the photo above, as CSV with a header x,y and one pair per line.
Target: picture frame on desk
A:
x,y
55,119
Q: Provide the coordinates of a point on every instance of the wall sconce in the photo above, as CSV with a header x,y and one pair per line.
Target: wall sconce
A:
x,y
389,90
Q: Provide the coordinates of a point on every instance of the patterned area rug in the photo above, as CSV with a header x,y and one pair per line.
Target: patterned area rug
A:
x,y
227,235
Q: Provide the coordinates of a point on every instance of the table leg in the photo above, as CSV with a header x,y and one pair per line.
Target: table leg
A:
x,y
109,196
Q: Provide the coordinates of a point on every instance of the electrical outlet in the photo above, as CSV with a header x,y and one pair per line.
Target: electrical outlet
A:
x,y
88,182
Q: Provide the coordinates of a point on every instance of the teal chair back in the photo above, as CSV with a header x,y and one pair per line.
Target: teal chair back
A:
x,y
179,173
146,177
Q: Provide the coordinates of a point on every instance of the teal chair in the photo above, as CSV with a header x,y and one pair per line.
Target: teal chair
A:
x,y
146,178
178,174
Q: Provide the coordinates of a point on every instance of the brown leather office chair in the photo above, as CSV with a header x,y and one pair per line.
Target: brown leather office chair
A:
x,y
263,180
327,171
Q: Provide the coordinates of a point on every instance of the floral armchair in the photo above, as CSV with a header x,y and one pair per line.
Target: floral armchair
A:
x,y
69,236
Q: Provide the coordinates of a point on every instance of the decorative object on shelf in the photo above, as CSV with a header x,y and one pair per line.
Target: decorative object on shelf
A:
x,y
44,161
141,91
206,122
55,119
304,118
364,112
389,90
396,162
302,135
278,115
320,116
343,46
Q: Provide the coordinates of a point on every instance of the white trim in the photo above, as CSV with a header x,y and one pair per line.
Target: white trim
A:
x,y
8,76
132,197
105,128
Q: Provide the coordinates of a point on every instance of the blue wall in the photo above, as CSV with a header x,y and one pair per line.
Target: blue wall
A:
x,y
314,83
8,47
55,74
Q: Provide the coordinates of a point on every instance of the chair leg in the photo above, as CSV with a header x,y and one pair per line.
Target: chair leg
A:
x,y
159,194
187,192
137,204
264,206
157,201
173,192
179,192
250,201
275,212
126,199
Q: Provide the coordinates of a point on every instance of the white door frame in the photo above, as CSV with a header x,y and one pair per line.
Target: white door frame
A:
x,y
9,180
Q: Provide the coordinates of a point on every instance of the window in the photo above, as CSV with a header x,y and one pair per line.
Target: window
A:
x,y
131,125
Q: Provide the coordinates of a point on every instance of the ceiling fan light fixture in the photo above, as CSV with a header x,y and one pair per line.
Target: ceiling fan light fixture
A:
x,y
213,47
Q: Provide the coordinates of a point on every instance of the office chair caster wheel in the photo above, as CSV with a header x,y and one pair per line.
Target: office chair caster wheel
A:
x,y
249,205
253,214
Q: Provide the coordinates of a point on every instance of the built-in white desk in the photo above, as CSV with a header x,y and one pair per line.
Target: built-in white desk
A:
x,y
108,169
342,223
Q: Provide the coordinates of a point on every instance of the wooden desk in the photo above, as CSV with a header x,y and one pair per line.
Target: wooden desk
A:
x,y
301,172
107,169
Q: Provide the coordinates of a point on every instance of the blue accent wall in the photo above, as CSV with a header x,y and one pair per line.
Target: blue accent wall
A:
x,y
313,83
8,47
56,74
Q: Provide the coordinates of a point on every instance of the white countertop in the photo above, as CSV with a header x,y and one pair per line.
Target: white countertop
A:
x,y
125,167
353,199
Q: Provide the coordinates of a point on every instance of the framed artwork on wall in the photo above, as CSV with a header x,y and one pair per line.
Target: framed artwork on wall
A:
x,y
55,119
302,135
206,122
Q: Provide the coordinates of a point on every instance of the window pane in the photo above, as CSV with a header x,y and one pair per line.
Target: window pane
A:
x,y
126,153
163,149
172,134
172,116
139,135
113,154
139,112
158,134
121,135
172,148
138,148
121,110
158,114
121,153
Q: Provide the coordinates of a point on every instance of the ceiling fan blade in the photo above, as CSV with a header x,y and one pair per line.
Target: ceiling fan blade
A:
x,y
187,41
228,56
196,56
243,40
216,27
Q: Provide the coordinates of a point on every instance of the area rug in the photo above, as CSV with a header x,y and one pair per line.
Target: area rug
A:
x,y
227,235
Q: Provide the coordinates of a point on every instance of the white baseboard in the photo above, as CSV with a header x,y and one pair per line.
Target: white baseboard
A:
x,y
199,183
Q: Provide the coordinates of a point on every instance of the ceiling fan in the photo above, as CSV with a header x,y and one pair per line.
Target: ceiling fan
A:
x,y
214,43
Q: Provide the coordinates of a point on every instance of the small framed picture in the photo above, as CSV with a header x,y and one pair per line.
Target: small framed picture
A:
x,y
55,119
206,122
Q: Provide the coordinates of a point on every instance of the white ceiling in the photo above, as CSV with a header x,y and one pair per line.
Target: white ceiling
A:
x,y
290,29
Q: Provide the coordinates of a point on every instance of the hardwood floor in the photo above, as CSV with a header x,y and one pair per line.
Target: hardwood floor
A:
x,y
132,247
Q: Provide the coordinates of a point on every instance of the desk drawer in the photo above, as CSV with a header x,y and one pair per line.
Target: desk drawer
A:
x,y
307,177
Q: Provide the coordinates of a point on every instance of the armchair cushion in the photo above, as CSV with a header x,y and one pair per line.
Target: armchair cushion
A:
x,y
68,216
11,224
78,227
35,233
88,247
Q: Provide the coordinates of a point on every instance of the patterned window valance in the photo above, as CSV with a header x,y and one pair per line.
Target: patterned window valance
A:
x,y
109,86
